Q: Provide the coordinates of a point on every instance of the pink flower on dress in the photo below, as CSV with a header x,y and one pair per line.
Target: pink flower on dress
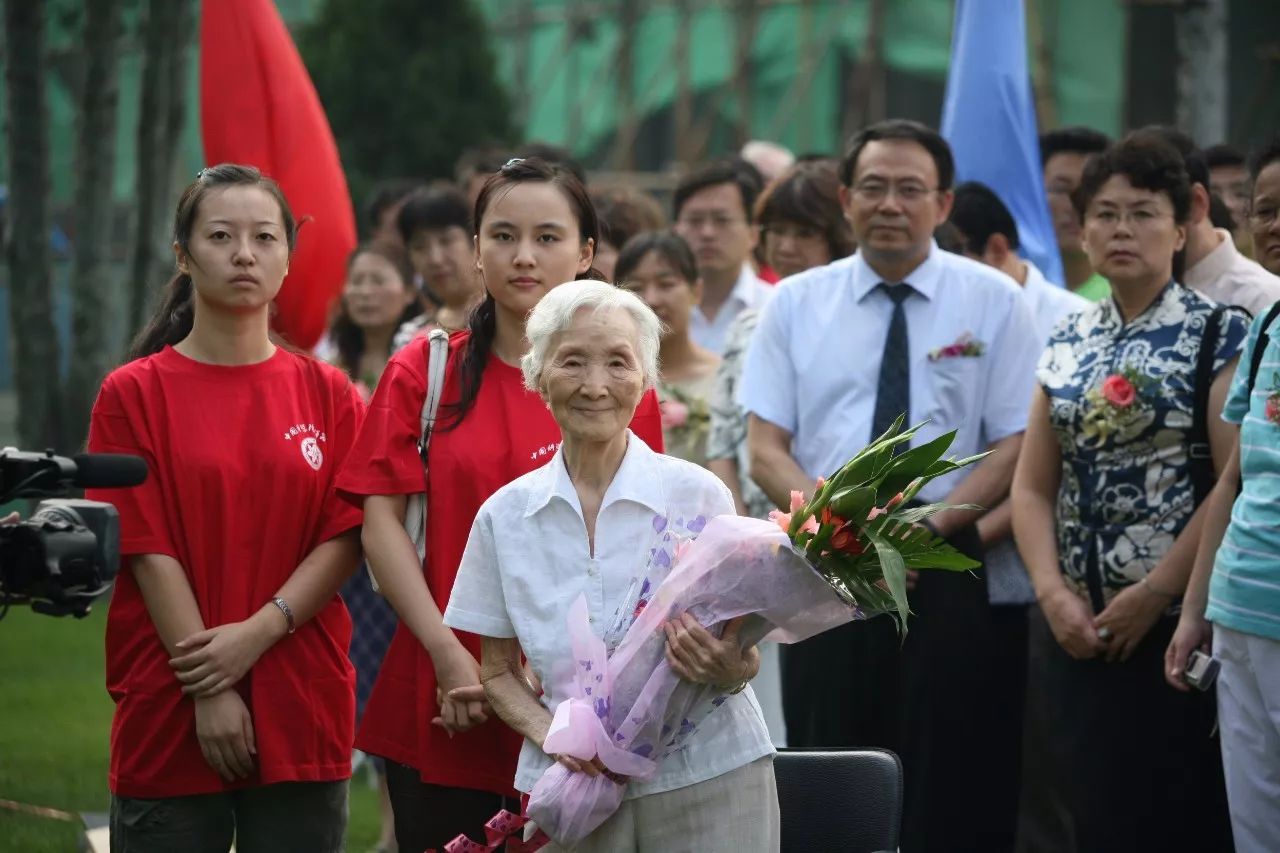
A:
x,y
674,414
1119,391
1273,408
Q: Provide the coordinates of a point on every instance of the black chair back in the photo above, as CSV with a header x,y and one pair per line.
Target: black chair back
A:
x,y
839,799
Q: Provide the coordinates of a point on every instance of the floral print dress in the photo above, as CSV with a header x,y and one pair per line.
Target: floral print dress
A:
x,y
686,417
1121,398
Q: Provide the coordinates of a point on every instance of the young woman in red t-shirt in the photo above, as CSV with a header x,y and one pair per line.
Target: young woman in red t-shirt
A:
x,y
226,639
450,767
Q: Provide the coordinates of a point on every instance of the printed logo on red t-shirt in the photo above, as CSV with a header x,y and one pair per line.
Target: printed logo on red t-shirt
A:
x,y
310,443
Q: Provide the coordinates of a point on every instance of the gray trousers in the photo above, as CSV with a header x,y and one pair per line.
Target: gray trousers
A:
x,y
736,812
288,817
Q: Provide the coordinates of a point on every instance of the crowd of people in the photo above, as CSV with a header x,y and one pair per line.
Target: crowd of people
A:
x,y
602,363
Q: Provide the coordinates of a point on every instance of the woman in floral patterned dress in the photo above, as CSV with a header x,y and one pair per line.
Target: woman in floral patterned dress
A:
x,y
659,267
1106,517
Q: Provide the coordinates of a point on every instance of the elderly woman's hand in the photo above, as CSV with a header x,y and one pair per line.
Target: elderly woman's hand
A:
x,y
696,655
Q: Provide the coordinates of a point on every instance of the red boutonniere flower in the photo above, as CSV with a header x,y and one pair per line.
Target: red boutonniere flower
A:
x,y
965,346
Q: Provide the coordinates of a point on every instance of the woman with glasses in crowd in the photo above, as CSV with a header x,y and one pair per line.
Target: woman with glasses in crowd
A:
x,y
1105,513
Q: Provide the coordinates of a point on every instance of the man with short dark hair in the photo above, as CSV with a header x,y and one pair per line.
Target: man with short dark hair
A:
x,y
1229,178
435,224
1214,266
713,208
1063,153
991,236
901,327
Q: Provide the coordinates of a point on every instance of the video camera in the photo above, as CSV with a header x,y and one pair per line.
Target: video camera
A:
x,y
68,552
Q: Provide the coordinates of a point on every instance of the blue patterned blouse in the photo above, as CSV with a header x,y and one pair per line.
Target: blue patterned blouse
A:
x,y
1126,490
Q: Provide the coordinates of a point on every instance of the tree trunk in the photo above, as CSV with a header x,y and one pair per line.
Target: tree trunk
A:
x,y
35,347
91,284
161,116
1203,70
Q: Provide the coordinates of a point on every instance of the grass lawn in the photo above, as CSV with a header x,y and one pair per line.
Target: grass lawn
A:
x,y
55,720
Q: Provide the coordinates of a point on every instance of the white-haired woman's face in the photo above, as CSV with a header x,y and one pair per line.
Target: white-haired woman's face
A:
x,y
592,378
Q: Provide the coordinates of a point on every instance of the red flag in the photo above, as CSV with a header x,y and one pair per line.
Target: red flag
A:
x,y
258,107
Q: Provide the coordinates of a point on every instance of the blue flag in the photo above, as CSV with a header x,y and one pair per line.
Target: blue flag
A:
x,y
989,118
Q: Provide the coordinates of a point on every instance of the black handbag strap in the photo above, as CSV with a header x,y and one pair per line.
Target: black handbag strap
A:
x,y
1201,454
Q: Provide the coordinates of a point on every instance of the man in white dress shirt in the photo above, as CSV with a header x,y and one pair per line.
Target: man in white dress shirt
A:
x,y
840,351
1214,266
991,236
713,208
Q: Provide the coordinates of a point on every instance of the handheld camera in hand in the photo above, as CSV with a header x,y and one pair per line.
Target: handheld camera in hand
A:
x,y
67,553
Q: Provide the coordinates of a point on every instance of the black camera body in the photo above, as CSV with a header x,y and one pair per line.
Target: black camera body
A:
x,y
62,558
67,553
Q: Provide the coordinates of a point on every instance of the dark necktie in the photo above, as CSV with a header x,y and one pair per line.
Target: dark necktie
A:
x,y
893,391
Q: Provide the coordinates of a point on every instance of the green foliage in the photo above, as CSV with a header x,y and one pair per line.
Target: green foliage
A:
x,y
407,86
55,725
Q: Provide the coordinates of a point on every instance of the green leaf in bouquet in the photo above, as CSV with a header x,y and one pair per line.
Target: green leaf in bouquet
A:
x,y
913,463
921,549
864,466
854,503
894,568
917,514
946,559
946,466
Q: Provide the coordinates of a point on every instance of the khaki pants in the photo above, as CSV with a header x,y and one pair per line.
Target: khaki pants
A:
x,y
736,812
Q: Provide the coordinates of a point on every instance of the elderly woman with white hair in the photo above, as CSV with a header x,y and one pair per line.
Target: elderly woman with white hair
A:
x,y
582,526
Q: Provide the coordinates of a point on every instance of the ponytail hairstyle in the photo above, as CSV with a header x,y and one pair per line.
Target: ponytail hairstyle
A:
x,y
174,318
483,323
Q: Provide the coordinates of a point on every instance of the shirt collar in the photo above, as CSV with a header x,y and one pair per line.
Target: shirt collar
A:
x,y
923,279
746,290
634,481
1035,278
1214,265
1109,315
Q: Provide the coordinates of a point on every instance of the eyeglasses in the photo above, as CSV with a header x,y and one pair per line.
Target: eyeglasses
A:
x,y
877,191
717,222
1137,219
1264,216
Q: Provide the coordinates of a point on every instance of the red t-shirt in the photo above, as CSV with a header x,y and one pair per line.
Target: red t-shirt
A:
x,y
242,462
507,433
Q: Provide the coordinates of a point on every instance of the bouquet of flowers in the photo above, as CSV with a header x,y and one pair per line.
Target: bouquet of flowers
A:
x,y
838,556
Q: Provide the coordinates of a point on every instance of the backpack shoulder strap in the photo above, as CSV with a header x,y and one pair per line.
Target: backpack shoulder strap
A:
x,y
437,355
1260,346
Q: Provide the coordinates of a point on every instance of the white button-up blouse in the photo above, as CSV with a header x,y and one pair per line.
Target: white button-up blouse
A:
x,y
528,560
